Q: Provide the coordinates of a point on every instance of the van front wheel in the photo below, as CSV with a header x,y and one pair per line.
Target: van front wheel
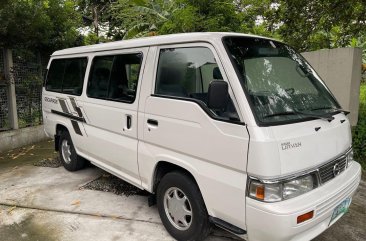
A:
x,y
70,160
181,207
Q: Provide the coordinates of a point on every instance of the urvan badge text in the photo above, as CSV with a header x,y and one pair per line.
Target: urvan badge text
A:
x,y
289,145
52,100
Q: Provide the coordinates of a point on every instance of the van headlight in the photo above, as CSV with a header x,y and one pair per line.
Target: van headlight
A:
x,y
278,190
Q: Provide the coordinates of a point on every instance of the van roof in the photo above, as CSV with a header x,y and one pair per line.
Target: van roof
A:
x,y
150,41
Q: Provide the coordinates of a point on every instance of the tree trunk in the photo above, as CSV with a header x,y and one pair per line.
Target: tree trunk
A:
x,y
96,23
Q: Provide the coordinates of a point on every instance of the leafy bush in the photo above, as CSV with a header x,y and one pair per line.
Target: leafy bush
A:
x,y
359,132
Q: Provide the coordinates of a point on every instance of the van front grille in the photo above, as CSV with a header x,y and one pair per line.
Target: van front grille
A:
x,y
332,169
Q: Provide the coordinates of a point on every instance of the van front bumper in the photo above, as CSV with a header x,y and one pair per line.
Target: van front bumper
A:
x,y
278,221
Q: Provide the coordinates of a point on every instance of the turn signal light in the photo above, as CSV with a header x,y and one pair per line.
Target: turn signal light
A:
x,y
304,217
259,192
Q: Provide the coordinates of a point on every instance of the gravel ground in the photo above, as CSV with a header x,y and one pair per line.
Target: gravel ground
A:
x,y
49,162
109,183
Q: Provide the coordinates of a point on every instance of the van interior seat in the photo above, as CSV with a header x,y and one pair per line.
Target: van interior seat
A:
x,y
118,85
216,74
170,82
99,84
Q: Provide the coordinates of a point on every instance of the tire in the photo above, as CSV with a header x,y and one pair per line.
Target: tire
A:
x,y
70,160
176,184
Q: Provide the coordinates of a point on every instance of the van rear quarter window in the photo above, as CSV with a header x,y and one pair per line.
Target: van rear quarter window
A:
x,y
55,75
66,76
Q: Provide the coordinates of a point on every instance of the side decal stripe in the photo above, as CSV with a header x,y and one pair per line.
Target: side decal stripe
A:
x,y
76,127
63,105
72,117
76,108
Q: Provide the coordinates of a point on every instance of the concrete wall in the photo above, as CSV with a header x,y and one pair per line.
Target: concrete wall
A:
x,y
341,71
21,137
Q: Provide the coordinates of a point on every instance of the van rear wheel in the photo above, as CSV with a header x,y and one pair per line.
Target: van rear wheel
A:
x,y
181,207
70,160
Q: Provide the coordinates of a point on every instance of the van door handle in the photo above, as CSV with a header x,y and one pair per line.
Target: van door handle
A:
x,y
129,122
152,122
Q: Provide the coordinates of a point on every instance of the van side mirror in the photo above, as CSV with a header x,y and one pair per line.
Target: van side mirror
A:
x,y
218,95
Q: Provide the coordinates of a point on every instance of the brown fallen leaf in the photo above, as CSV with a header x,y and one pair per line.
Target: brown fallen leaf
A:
x,y
11,209
76,202
23,153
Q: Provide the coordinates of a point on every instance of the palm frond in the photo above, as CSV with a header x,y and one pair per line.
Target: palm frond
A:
x,y
151,11
136,29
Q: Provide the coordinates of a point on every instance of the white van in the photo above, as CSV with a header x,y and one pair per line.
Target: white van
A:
x,y
221,128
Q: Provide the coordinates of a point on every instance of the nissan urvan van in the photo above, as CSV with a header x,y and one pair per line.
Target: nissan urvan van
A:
x,y
223,129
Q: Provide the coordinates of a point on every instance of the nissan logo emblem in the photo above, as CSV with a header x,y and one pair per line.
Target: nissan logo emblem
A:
x,y
336,169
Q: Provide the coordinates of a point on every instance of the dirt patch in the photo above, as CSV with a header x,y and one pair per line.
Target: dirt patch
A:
x,y
109,183
49,162
27,230
27,155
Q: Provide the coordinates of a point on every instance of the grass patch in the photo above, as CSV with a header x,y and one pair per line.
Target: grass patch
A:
x,y
359,132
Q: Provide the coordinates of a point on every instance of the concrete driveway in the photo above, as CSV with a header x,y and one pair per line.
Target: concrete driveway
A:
x,y
47,204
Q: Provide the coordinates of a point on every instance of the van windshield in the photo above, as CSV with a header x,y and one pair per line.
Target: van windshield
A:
x,y
280,85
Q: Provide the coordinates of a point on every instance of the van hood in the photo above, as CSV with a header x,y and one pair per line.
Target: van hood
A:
x,y
293,148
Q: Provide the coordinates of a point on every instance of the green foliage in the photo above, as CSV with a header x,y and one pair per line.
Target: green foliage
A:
x,y
359,132
141,18
90,39
147,17
317,24
183,20
98,19
203,16
29,110
360,42
260,17
41,24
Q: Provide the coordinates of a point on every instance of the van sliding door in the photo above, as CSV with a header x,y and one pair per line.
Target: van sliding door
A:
x,y
111,109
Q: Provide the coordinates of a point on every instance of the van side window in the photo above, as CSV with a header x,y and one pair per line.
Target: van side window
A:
x,y
99,77
187,72
115,77
67,76
74,76
55,75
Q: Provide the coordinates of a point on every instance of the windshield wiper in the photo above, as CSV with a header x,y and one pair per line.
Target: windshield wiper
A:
x,y
332,108
281,113
323,117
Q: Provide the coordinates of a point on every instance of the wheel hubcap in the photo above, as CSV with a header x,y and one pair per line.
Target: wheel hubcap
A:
x,y
178,208
66,151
